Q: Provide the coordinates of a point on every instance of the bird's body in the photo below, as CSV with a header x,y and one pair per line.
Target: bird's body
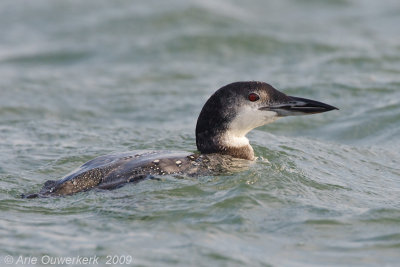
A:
x,y
112,171
228,115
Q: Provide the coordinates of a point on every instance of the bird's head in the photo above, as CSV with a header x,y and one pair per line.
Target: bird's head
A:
x,y
237,108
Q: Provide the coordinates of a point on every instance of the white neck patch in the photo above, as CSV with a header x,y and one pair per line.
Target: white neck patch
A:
x,y
235,141
247,119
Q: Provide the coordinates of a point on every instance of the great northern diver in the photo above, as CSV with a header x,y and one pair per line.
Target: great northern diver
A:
x,y
227,116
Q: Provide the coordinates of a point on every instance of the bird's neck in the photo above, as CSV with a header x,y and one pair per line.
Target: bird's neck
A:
x,y
217,131
224,143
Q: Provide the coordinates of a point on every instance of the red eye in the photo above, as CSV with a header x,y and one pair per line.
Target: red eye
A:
x,y
253,97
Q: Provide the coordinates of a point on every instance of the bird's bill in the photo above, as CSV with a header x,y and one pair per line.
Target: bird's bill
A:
x,y
299,106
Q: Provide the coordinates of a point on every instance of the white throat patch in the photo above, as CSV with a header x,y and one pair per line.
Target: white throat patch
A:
x,y
247,119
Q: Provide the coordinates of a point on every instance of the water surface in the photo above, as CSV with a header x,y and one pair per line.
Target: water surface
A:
x,y
80,79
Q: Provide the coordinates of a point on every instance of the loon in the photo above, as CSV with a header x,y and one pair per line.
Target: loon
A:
x,y
225,119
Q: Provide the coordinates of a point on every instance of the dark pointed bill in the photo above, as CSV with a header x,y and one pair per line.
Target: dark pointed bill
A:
x,y
299,106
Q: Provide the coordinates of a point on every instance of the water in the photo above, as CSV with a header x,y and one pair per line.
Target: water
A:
x,y
81,79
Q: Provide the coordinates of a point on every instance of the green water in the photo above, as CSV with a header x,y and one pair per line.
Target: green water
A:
x,y
80,79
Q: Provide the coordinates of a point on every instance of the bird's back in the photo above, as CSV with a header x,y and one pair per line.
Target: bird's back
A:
x,y
115,170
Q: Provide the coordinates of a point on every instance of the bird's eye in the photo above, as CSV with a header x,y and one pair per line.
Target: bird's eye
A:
x,y
253,97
